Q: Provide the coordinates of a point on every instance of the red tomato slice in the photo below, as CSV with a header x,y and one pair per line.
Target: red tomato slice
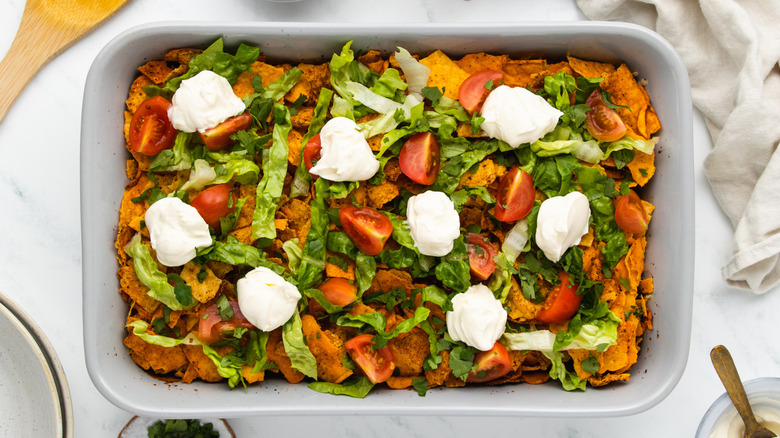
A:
x,y
150,129
630,213
367,228
516,195
481,254
563,301
378,365
338,291
491,364
472,91
420,158
218,137
601,121
212,204
311,152
211,325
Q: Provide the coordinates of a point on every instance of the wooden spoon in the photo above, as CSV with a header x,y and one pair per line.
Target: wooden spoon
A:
x,y
48,27
727,371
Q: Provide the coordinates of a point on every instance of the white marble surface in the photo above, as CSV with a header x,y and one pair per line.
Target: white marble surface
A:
x,y
40,260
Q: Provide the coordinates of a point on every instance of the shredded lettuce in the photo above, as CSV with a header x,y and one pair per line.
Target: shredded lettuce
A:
x,y
180,157
300,184
357,387
590,337
416,74
200,175
151,276
296,349
314,250
269,189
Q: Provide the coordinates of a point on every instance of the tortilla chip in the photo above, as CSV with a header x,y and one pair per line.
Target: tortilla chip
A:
x,y
157,71
137,94
522,73
203,364
130,285
335,271
487,172
597,381
476,62
275,350
395,382
520,308
382,194
182,56
162,360
202,290
642,167
295,147
410,350
445,73
249,376
590,69
624,90
328,349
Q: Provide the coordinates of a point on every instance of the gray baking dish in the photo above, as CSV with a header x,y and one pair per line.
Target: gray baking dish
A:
x,y
670,252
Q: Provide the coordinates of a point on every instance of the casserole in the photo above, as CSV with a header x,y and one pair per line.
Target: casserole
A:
x,y
669,255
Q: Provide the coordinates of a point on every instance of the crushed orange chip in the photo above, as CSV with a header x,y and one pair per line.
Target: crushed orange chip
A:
x,y
521,73
476,62
642,167
445,73
590,69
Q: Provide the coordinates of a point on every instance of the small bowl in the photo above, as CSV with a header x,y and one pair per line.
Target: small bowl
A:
x,y
763,394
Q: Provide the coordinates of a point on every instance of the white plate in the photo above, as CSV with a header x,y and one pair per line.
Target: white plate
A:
x,y
34,396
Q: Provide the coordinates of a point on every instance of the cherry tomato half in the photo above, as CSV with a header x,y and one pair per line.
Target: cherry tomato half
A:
x,y
420,158
311,152
218,137
367,228
150,129
481,254
630,213
472,91
563,301
601,121
211,325
214,203
491,364
378,365
516,195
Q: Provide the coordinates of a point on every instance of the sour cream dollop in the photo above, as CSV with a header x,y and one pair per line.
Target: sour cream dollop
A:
x,y
477,318
433,222
561,223
345,154
516,115
176,229
266,299
202,102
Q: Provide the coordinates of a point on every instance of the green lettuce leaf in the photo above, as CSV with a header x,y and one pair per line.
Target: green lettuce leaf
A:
x,y
300,184
296,349
314,250
150,275
269,190
354,386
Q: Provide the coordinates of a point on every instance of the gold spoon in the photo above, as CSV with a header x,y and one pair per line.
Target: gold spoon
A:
x,y
727,371
47,28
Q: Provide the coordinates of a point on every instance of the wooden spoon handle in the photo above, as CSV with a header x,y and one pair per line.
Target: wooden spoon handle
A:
x,y
727,371
33,47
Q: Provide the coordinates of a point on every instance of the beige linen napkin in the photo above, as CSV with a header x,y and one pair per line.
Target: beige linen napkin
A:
x,y
731,50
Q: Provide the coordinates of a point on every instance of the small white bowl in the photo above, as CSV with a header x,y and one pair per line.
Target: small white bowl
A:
x,y
763,394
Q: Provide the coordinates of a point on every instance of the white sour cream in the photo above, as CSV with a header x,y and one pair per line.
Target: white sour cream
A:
x,y
516,115
202,102
345,154
561,223
477,318
767,412
266,299
433,222
176,229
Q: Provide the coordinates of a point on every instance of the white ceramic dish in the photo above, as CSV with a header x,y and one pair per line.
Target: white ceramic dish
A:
x,y
669,254
34,396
